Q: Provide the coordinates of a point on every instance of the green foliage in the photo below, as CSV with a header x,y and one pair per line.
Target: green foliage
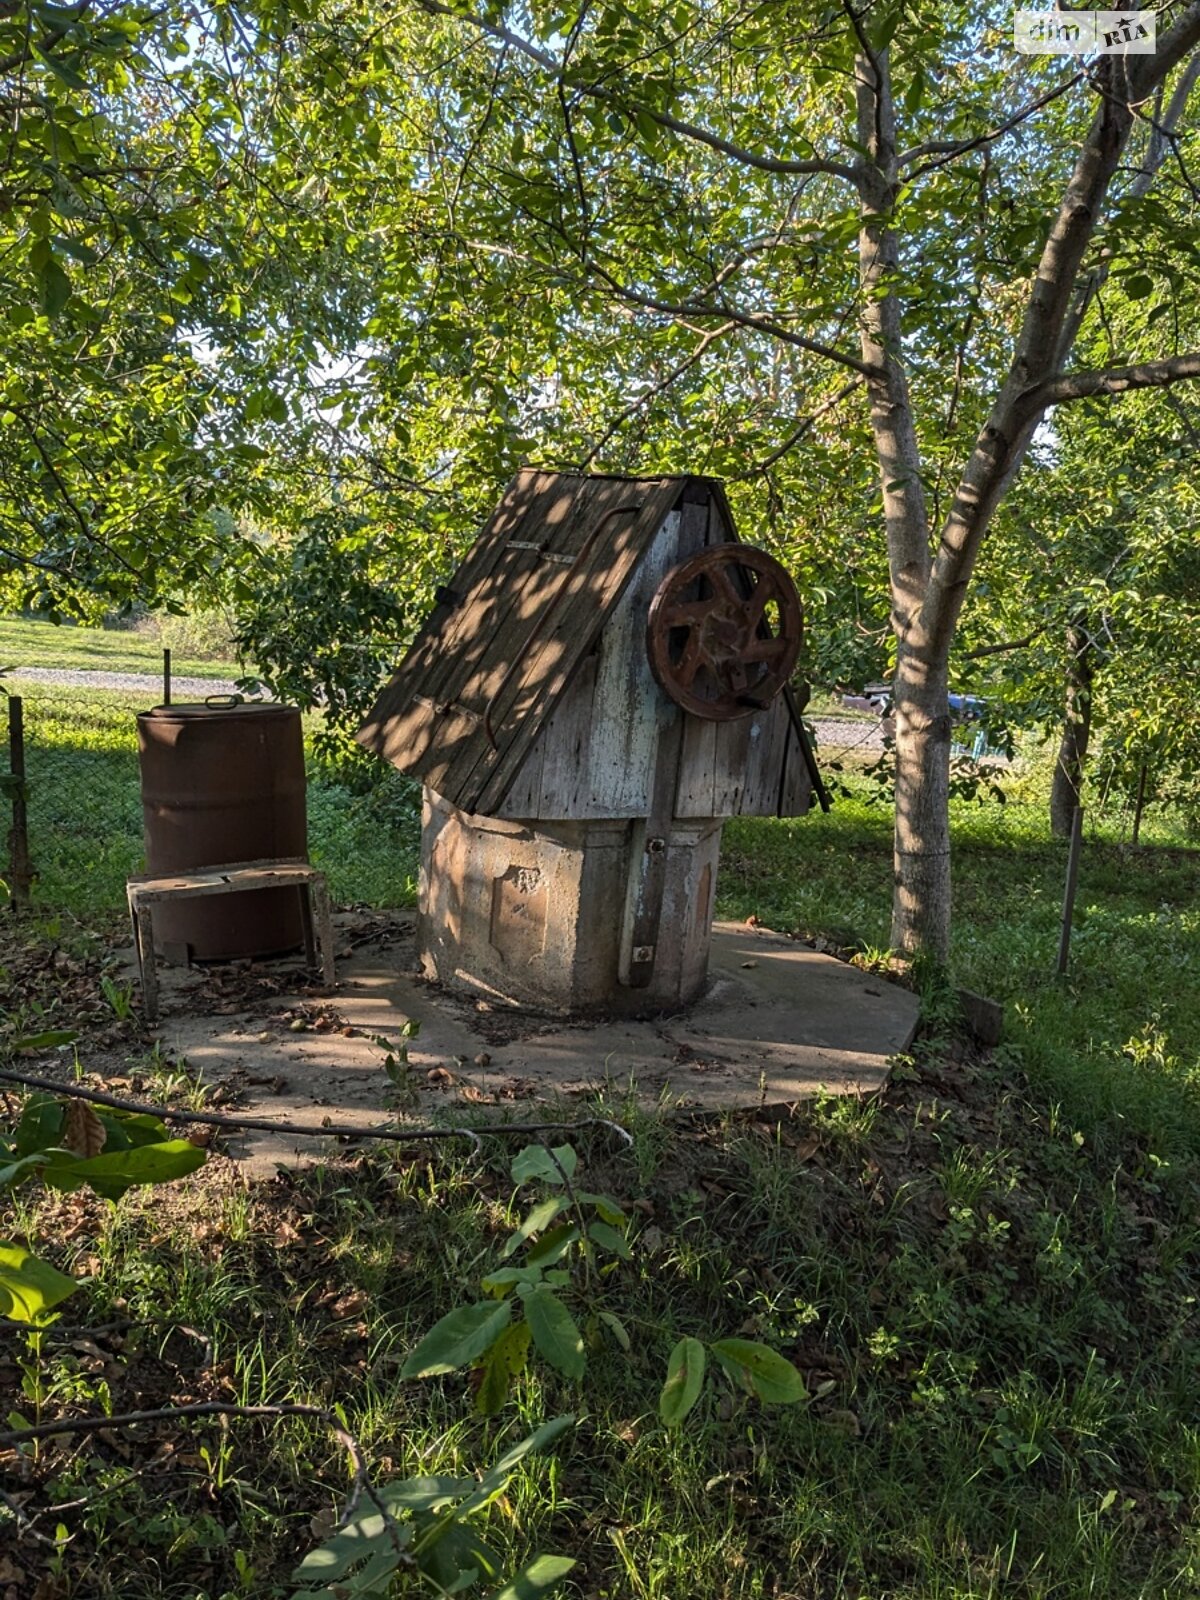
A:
x,y
563,1261
428,1527
29,1288
67,1145
685,1379
323,628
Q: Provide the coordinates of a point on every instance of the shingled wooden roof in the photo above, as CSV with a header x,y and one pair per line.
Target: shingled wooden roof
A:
x,y
493,659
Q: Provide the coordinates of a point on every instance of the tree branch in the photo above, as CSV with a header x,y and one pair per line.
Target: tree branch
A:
x,y
1002,649
1068,386
746,319
333,1130
686,130
652,393
948,149
798,433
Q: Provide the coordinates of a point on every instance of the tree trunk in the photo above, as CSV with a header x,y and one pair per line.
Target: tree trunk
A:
x,y
1066,792
921,899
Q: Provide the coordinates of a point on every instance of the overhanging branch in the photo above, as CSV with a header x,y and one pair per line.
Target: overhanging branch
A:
x,y
950,149
782,166
1068,386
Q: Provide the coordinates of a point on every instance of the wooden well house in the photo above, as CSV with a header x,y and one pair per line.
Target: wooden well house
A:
x,y
603,682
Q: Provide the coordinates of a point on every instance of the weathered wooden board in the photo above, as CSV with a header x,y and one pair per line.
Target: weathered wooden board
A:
x,y
405,722
528,694
596,755
619,523
630,713
430,719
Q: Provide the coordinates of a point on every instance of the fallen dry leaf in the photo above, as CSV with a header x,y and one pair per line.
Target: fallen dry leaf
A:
x,y
83,1132
843,1422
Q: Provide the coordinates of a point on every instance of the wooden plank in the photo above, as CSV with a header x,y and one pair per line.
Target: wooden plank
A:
x,y
694,793
796,788
491,601
763,771
731,756
503,657
593,590
641,926
400,726
523,798
630,713
566,738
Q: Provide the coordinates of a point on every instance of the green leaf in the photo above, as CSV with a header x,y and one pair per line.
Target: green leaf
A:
x,y
503,1362
1139,286
608,1209
458,1339
760,1371
535,1161
29,1287
113,1172
553,1245
49,1040
358,1558
423,1494
554,1331
617,1328
66,74
888,28
40,1125
494,1480
541,1576
685,1379
16,1170
538,1219
55,288
610,1239
127,1130
505,1278
454,1556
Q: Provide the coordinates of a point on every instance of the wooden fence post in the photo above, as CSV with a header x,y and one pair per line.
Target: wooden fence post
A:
x,y
20,872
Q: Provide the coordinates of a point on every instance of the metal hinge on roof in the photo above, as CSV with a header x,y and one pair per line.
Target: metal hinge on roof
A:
x,y
443,708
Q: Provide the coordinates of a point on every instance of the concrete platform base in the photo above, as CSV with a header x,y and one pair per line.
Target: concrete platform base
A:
x,y
779,1023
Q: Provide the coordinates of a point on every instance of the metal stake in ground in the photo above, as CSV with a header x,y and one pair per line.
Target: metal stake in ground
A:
x,y
1140,803
1068,910
20,870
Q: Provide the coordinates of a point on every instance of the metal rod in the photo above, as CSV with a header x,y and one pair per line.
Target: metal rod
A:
x,y
166,700
1068,910
1139,803
20,872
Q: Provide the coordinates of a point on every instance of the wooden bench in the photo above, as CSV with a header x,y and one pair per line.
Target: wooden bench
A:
x,y
146,892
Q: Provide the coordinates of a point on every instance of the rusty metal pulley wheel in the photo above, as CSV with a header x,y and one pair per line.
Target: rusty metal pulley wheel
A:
x,y
724,632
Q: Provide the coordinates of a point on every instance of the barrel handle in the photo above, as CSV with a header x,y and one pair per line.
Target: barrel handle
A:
x,y
223,700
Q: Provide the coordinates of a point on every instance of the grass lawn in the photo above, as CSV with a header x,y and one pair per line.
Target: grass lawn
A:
x,y
987,1275
25,643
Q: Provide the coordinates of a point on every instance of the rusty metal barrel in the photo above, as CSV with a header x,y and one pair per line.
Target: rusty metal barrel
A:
x,y
223,783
